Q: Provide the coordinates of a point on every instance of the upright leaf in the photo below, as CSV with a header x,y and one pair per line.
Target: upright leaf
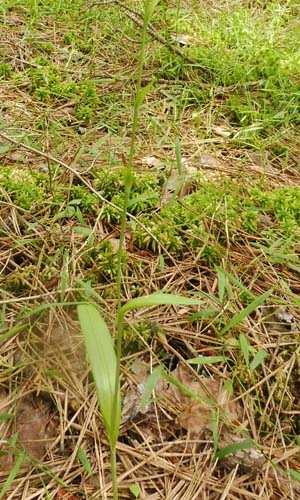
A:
x,y
102,358
245,347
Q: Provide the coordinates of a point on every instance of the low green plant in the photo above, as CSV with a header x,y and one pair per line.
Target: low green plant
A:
x,y
105,362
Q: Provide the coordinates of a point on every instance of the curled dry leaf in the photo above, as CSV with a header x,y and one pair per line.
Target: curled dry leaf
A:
x,y
135,388
182,40
276,319
151,161
177,183
115,243
193,414
222,131
63,494
209,161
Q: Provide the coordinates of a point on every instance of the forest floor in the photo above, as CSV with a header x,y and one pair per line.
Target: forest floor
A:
x,y
214,213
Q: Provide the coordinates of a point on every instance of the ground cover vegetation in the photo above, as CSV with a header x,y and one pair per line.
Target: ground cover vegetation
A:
x,y
210,391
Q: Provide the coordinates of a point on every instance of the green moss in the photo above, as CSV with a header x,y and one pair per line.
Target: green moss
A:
x,y
48,82
24,188
101,263
201,222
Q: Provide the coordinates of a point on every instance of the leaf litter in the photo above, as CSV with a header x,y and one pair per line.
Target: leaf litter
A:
x,y
191,403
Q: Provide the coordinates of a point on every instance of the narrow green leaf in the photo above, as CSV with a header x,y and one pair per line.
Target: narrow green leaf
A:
x,y
85,231
6,416
140,96
223,285
258,359
161,262
149,386
294,474
88,289
205,313
13,331
185,390
235,281
14,471
64,276
244,346
13,440
157,299
149,7
102,358
214,428
234,447
135,490
206,360
94,149
178,155
4,148
84,460
238,317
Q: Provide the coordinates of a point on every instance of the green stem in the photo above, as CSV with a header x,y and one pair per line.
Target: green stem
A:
x,y
114,475
128,185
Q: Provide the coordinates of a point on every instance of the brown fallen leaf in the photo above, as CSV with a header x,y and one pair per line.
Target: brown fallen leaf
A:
x,y
32,426
151,161
63,494
182,40
6,458
209,161
195,415
276,319
178,184
222,131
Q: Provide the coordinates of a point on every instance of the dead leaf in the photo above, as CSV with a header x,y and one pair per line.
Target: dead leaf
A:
x,y
222,131
32,426
275,318
15,156
183,40
151,161
209,161
7,459
131,403
63,494
115,243
195,415
177,183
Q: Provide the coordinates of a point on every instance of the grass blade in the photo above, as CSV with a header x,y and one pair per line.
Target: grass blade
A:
x,y
258,359
245,347
84,460
239,316
206,360
234,447
14,471
149,386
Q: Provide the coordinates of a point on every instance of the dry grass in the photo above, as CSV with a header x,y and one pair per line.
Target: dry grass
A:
x,y
47,395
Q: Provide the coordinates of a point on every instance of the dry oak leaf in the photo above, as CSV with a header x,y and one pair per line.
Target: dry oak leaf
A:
x,y
32,426
195,415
